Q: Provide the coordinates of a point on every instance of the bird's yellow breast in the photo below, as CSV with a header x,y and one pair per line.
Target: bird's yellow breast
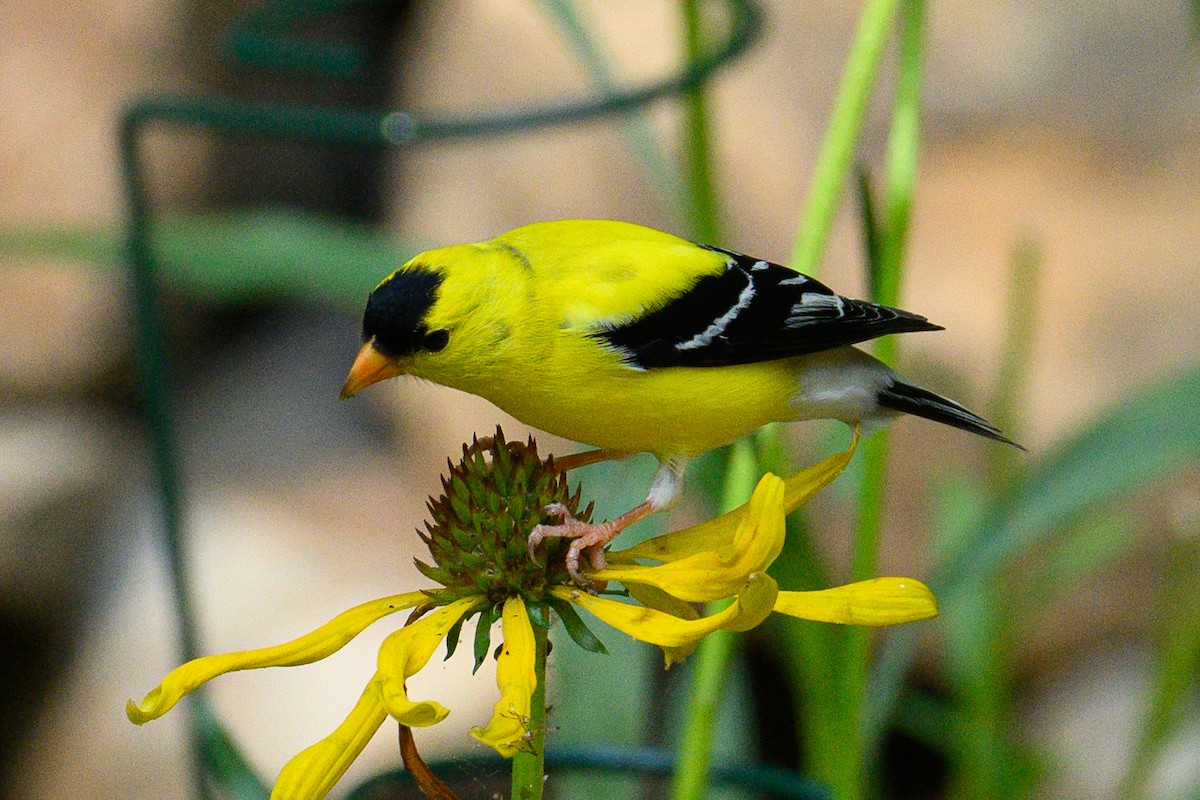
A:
x,y
569,385
523,310
668,411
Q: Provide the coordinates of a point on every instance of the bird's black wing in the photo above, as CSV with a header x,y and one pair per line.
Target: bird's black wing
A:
x,y
753,311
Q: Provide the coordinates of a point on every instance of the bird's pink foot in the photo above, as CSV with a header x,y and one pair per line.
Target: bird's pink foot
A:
x,y
586,536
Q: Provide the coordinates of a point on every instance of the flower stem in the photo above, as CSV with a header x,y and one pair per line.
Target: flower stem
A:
x,y
707,689
528,765
704,701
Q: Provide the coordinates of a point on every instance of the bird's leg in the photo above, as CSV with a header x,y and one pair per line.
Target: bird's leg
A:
x,y
665,491
586,458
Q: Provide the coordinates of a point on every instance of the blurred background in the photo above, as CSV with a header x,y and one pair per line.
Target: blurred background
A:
x,y
1062,137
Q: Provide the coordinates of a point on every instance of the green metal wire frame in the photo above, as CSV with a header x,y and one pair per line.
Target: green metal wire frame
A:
x,y
264,38
381,128
638,761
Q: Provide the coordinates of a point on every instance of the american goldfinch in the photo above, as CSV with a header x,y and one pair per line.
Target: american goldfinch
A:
x,y
632,340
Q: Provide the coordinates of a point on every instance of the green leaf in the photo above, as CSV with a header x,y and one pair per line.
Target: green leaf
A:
x,y
539,615
1016,361
222,760
483,636
870,229
576,628
1176,671
1131,446
1080,551
454,634
1128,447
238,256
433,573
835,158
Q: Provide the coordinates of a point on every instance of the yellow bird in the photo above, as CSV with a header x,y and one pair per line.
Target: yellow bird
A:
x,y
632,340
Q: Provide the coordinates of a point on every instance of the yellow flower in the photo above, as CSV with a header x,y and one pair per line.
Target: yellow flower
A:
x,y
727,558
515,675
493,498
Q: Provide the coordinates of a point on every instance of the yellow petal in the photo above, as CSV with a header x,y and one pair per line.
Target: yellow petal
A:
x,y
659,600
710,575
509,726
716,534
753,604
324,641
879,601
405,652
313,772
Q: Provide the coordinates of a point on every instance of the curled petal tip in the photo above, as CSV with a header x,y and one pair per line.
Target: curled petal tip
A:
x,y
148,709
415,715
133,712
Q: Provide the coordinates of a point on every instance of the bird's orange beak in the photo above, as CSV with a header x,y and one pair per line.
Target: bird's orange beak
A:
x,y
370,366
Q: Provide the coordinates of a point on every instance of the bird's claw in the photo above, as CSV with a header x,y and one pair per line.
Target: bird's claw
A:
x,y
540,533
585,535
559,510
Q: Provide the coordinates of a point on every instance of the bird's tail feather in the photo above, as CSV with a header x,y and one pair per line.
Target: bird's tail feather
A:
x,y
924,403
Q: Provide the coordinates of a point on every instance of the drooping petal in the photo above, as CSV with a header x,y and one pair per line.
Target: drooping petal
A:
x,y
753,604
717,534
407,651
314,771
755,543
509,725
322,642
875,602
653,597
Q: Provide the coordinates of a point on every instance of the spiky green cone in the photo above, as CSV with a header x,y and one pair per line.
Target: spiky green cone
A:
x,y
479,527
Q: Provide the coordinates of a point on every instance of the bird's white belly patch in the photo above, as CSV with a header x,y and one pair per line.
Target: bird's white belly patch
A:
x,y
840,384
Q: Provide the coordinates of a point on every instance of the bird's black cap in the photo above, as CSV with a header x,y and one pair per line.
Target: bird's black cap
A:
x,y
396,312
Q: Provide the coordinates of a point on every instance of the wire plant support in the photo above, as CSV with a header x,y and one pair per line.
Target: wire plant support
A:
x,y
265,38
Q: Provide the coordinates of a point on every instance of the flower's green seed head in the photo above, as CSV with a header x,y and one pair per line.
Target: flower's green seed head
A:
x,y
479,527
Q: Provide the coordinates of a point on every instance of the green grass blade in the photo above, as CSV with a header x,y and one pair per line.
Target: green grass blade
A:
x,y
978,675
903,146
239,256
235,257
62,242
1016,360
222,761
1131,446
1176,672
871,228
885,276
705,217
714,655
637,127
841,137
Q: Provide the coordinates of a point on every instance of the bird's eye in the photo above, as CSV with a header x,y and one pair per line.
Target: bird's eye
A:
x,y
436,340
